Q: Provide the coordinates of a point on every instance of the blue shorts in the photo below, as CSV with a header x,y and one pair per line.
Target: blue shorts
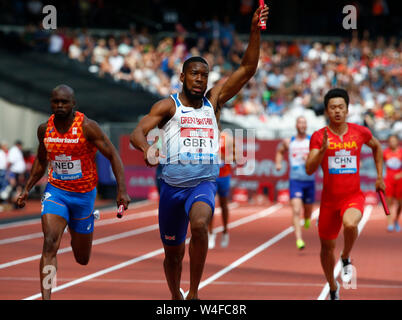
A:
x,y
75,207
174,207
304,190
223,185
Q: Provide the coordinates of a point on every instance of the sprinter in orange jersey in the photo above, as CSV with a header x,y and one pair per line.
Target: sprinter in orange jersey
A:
x,y
337,149
68,142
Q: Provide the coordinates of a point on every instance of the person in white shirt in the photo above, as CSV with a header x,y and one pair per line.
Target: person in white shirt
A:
x,y
17,167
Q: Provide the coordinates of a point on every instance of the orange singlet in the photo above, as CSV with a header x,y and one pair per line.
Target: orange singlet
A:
x,y
71,157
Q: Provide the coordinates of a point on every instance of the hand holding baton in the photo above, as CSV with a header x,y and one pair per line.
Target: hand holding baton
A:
x,y
263,24
120,211
384,203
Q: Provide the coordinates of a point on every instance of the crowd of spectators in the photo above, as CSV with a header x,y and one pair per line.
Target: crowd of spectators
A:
x,y
290,76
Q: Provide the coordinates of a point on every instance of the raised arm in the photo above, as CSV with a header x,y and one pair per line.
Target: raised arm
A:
x,y
280,152
160,113
94,134
375,146
222,93
38,168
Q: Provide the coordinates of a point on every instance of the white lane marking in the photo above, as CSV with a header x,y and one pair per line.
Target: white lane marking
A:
x,y
102,222
35,221
251,254
149,255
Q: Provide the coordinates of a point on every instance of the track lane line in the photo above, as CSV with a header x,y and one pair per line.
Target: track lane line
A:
x,y
251,254
102,222
127,234
29,222
252,217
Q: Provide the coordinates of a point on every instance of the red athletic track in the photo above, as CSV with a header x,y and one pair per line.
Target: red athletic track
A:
x,y
279,271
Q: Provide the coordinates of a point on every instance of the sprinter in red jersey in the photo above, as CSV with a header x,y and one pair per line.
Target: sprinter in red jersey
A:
x,y
337,149
393,180
68,142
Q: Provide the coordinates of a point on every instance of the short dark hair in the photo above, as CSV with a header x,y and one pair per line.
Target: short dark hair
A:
x,y
193,59
393,135
336,93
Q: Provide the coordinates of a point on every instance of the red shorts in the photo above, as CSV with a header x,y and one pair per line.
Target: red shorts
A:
x,y
331,215
393,188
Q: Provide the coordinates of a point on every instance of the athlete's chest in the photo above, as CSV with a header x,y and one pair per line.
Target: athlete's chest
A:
x,y
349,142
71,142
187,117
299,149
343,153
393,159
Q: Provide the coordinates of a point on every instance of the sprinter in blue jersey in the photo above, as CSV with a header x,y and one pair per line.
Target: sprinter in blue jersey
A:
x,y
190,144
301,185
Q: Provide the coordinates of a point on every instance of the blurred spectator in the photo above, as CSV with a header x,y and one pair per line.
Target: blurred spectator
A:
x,y
55,43
3,171
125,47
100,52
75,52
17,167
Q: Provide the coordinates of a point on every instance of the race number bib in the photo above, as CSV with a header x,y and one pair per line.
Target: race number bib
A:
x,y
196,144
65,168
342,163
393,163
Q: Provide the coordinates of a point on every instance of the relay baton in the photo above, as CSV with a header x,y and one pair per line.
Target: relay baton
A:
x,y
120,211
384,203
263,24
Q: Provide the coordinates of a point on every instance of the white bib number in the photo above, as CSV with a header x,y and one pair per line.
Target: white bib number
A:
x,y
342,164
196,144
66,169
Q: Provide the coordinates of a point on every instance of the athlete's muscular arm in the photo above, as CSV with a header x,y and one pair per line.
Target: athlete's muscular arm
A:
x,y
280,152
315,156
38,168
220,94
160,113
94,134
375,146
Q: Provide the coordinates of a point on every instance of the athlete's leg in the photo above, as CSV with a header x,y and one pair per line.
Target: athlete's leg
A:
x,y
223,201
308,200
351,219
82,245
81,224
390,218
329,225
327,256
297,205
172,265
53,227
173,225
398,213
200,215
308,209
